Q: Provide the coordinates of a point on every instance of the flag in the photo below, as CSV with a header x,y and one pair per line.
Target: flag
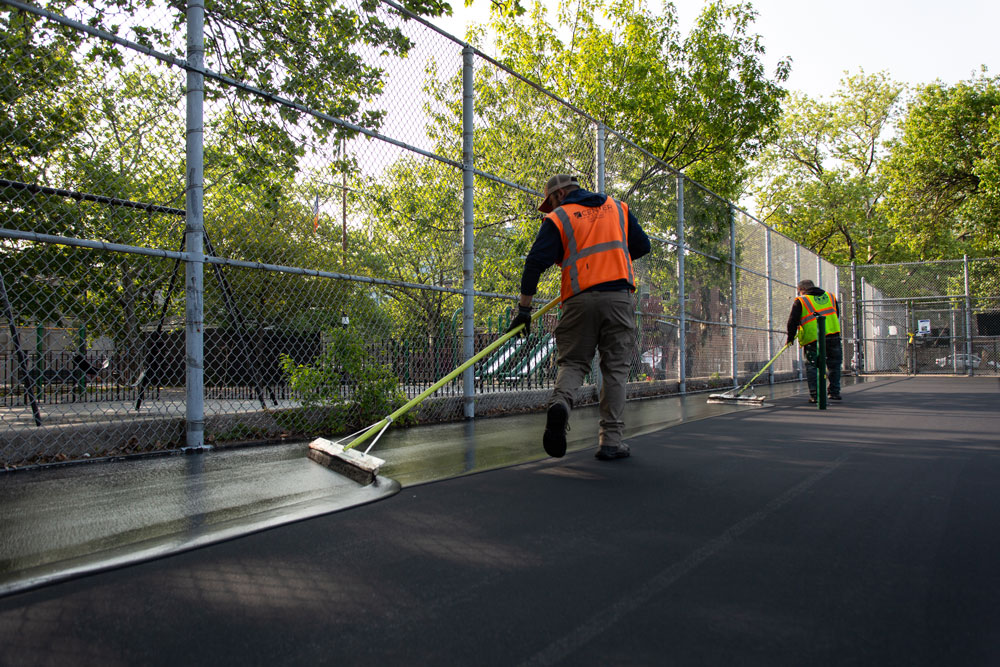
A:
x,y
316,214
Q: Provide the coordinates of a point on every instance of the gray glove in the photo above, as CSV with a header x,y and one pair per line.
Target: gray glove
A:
x,y
523,317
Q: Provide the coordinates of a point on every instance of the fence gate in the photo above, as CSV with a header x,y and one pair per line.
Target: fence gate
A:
x,y
924,318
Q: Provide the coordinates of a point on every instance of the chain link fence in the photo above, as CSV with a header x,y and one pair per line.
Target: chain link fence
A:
x,y
206,240
938,317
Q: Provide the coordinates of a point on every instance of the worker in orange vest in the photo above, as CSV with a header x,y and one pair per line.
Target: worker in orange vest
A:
x,y
594,238
811,303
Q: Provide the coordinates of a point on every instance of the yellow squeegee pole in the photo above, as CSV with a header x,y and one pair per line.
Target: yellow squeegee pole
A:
x,y
761,371
374,428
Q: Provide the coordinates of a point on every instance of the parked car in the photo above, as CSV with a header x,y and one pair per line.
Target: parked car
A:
x,y
959,361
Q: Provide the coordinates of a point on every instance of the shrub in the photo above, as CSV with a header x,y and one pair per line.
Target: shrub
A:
x,y
350,387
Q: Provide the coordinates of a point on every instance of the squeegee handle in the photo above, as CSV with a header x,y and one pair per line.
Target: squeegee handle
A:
x,y
413,402
761,371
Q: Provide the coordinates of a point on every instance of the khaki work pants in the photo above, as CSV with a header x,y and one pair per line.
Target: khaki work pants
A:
x,y
603,322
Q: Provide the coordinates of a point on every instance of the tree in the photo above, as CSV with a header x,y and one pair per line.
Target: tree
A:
x,y
414,222
53,133
942,173
42,108
40,113
318,53
702,104
819,182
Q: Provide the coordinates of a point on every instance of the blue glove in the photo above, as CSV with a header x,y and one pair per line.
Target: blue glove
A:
x,y
523,317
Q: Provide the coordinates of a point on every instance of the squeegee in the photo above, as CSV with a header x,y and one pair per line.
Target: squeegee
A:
x,y
362,467
737,396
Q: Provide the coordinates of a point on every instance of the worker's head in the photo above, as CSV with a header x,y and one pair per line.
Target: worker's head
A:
x,y
556,190
805,286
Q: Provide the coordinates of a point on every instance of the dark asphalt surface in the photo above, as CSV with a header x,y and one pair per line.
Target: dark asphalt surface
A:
x,y
867,534
60,522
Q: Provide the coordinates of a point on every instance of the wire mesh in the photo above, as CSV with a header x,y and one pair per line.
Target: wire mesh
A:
x,y
937,317
335,237
72,391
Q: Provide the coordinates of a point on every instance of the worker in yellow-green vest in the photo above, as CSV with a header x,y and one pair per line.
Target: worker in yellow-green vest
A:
x,y
811,303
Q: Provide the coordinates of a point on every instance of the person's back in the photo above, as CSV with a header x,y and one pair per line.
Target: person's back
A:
x,y
812,303
594,239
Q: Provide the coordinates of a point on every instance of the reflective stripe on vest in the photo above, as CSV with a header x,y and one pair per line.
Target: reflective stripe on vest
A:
x,y
610,239
808,328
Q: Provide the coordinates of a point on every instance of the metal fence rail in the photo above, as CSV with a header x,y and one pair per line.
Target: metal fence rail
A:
x,y
239,257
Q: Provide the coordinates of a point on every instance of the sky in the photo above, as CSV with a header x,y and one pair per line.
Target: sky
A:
x,y
915,41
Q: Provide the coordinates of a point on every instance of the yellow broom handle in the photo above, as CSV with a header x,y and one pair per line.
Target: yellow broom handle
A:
x,y
761,371
372,430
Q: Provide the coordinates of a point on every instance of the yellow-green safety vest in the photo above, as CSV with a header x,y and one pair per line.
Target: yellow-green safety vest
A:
x,y
812,307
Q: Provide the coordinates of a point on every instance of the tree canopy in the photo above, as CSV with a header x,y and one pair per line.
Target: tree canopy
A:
x,y
819,182
942,176
85,115
874,176
702,103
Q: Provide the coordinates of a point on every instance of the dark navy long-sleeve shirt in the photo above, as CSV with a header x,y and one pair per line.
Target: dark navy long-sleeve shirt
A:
x,y
548,247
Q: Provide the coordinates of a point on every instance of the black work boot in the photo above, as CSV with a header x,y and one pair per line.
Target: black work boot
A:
x,y
610,453
554,438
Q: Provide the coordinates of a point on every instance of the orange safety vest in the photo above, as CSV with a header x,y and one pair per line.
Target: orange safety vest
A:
x,y
595,245
827,307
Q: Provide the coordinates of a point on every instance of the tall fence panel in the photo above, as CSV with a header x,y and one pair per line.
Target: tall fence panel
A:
x,y
940,317
356,229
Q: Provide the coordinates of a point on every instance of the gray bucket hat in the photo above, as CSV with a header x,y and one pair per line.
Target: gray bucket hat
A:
x,y
557,182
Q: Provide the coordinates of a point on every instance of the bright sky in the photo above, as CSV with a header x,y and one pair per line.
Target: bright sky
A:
x,y
916,41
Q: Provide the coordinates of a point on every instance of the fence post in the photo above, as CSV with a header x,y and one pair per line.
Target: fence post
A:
x,y
343,203
821,362
40,350
911,353
798,278
681,299
954,342
769,270
968,319
600,157
595,366
855,306
840,311
863,335
468,244
79,375
194,232
732,301
24,372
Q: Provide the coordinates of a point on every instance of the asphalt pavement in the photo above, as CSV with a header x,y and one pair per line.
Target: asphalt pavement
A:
x,y
865,534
